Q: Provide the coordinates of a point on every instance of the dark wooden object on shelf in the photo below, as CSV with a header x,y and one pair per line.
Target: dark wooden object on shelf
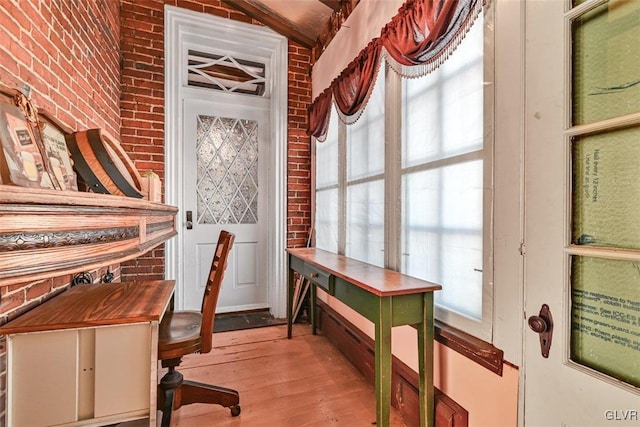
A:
x,y
186,332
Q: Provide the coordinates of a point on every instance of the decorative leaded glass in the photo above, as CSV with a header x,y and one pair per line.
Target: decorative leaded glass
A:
x,y
227,159
225,73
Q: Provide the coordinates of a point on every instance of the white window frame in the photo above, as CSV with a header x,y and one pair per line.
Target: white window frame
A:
x,y
482,329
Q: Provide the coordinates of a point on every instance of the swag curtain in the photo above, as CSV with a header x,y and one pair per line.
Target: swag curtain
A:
x,y
415,42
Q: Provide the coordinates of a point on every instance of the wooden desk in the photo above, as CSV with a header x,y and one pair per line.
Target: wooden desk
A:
x,y
87,356
385,297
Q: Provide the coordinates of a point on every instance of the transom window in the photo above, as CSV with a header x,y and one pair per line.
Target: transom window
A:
x,y
226,73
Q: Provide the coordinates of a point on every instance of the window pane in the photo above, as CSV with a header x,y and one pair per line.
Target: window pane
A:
x,y
443,111
327,220
442,233
606,62
327,155
365,138
605,316
365,222
606,189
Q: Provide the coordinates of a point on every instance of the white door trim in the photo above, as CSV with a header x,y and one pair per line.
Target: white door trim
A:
x,y
178,24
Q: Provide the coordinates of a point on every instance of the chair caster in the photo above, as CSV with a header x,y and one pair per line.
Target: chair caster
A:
x,y
235,410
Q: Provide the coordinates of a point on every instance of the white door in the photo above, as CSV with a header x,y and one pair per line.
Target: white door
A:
x,y
225,144
582,201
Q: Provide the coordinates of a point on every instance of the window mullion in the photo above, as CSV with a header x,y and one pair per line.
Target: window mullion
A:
x,y
393,167
342,187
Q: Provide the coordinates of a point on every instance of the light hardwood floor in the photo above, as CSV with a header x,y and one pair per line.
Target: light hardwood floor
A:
x,y
304,381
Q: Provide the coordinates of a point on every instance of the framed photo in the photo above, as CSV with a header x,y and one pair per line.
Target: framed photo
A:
x,y
20,160
55,149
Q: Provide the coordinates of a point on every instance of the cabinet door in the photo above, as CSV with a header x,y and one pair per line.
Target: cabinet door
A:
x,y
123,369
42,374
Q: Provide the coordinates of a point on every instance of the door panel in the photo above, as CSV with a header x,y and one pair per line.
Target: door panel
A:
x,y
224,150
582,255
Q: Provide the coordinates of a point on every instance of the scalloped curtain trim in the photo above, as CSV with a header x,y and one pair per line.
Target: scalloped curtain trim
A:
x,y
415,42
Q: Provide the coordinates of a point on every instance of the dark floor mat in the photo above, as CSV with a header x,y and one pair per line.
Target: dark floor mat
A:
x,y
248,320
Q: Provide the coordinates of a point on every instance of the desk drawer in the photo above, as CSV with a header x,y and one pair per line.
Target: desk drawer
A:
x,y
296,264
320,277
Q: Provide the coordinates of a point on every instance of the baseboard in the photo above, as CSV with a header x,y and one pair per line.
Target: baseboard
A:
x,y
359,350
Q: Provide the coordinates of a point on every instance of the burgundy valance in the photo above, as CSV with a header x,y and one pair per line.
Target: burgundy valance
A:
x,y
351,89
417,40
319,113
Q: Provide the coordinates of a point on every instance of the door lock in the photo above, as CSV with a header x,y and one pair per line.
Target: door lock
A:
x,y
542,324
189,220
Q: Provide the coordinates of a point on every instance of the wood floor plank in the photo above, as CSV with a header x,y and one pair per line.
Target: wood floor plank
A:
x,y
302,382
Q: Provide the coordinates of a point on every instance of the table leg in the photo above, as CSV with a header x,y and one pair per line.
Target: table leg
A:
x,y
425,363
290,285
312,308
383,362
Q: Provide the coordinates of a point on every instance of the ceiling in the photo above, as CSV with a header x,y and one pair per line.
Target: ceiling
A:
x,y
306,22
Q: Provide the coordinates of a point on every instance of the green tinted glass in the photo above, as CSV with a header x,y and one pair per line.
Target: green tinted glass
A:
x,y
606,189
605,316
606,62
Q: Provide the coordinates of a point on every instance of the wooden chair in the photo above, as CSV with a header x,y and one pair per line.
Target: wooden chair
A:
x,y
186,332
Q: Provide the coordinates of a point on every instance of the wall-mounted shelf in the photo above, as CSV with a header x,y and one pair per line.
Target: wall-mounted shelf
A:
x,y
45,233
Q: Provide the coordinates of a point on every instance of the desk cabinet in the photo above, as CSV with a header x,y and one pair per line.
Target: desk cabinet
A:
x,y
86,357
65,377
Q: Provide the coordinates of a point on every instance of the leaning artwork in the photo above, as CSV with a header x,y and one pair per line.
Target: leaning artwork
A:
x,y
20,159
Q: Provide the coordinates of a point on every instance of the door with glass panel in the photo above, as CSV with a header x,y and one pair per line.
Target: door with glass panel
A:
x,y
225,145
582,195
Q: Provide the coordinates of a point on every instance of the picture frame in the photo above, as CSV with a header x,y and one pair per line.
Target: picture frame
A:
x,y
60,164
21,161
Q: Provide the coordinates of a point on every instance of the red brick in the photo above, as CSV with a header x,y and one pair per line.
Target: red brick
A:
x,y
38,290
12,301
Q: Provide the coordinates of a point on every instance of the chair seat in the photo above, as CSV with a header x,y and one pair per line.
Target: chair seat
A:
x,y
179,334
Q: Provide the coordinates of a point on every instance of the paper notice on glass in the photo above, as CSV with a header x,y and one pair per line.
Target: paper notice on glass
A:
x,y
605,316
606,189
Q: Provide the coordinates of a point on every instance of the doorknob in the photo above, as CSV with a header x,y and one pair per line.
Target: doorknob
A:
x,y
542,324
189,220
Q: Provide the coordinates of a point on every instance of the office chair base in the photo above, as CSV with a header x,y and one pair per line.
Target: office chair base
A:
x,y
195,392
174,392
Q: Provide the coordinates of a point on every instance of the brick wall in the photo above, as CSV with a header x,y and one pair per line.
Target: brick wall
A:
x,y
299,153
100,64
142,109
68,52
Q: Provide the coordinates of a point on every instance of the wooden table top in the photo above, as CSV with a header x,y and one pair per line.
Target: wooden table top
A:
x,y
377,280
97,305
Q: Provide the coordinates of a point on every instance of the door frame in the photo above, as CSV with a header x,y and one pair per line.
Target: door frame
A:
x,y
181,23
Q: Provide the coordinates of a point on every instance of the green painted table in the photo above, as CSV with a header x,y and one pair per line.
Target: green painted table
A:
x,y
385,297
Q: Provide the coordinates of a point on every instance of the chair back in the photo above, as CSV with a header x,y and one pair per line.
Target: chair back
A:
x,y
212,290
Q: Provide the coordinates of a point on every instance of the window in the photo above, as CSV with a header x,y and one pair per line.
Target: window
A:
x,y
327,177
417,177
443,152
225,73
365,181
